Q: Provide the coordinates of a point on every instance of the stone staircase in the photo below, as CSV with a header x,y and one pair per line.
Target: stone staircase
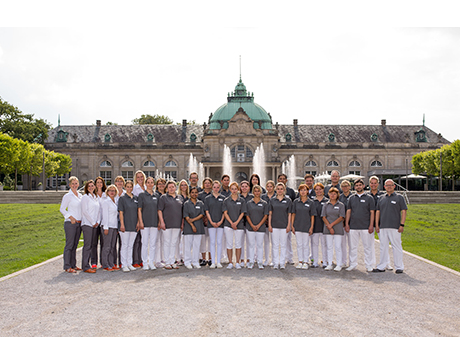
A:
x,y
432,197
31,196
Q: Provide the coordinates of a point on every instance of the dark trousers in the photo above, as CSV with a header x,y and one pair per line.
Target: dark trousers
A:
x,y
137,249
94,244
72,237
90,235
110,240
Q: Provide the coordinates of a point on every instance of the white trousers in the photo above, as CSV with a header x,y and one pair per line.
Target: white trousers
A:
x,y
334,242
126,251
159,249
180,248
393,236
255,240
303,246
215,243
243,244
171,239
345,245
204,245
266,247
230,233
289,253
279,240
149,242
192,249
368,244
315,240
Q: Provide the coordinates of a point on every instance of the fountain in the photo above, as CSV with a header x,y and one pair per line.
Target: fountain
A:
x,y
194,166
289,169
258,164
227,162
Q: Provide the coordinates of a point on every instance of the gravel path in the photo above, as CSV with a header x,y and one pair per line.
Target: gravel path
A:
x,y
45,301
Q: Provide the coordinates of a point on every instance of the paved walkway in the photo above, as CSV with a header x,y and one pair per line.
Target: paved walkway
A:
x,y
45,301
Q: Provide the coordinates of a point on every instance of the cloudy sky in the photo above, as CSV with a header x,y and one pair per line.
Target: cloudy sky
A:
x,y
310,63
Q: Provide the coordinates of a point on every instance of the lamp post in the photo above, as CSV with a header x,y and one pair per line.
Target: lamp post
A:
x,y
440,173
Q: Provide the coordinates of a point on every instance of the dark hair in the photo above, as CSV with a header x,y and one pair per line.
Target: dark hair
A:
x,y
224,175
359,180
87,184
251,185
104,186
308,175
282,174
193,188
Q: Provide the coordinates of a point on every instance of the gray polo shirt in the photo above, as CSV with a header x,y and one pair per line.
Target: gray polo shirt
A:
x,y
331,213
329,186
214,206
128,206
303,212
202,195
191,210
344,199
390,207
376,200
149,208
171,207
280,212
361,207
225,193
234,209
319,223
256,212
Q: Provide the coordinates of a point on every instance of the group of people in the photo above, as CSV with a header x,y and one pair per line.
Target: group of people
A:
x,y
148,224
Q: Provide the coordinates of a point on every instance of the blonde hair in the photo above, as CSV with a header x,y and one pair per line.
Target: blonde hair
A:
x,y
256,187
345,183
73,178
187,191
137,172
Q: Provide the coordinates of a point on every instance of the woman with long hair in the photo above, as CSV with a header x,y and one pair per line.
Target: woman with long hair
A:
x,y
183,190
90,220
213,208
101,187
254,180
110,228
160,190
256,215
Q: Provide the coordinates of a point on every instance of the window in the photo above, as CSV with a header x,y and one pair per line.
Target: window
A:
x,y
313,173
240,153
127,164
106,164
149,164
357,173
332,164
128,175
148,169
376,163
107,176
170,164
310,164
354,164
171,175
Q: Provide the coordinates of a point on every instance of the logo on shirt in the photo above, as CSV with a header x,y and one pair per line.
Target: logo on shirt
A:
x,y
238,203
363,200
393,202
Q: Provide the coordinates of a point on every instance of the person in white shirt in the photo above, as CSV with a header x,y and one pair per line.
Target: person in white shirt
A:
x,y
119,183
71,210
90,220
101,187
110,227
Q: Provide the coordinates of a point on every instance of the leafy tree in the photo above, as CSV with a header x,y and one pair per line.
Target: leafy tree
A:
x,y
154,120
22,126
9,153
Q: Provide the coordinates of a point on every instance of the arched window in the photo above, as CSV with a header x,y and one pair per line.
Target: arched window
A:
x,y
311,168
241,152
376,163
171,172
127,164
355,167
354,164
149,164
127,170
105,164
332,164
170,164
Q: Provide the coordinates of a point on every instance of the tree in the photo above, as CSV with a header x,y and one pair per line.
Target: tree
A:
x,y
153,120
22,126
9,153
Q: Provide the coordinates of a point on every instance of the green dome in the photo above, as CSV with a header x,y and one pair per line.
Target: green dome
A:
x,y
240,98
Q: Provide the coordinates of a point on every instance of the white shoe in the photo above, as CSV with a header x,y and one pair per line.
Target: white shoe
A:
x,y
230,266
271,264
265,263
159,265
352,267
305,266
188,266
299,266
126,269
261,266
152,267
237,266
389,267
283,266
197,266
250,265
329,267
338,268
212,266
145,267
370,269
218,265
276,267
131,267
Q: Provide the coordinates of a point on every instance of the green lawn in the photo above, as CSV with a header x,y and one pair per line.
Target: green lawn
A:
x,y
29,234
33,233
433,232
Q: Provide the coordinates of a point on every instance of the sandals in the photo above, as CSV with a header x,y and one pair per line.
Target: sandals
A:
x,y
168,266
70,270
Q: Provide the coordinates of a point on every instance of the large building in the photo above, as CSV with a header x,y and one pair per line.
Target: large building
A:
x,y
242,125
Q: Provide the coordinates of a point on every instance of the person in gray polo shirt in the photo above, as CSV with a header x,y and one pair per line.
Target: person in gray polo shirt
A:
x,y
193,212
171,222
360,225
333,214
213,208
390,217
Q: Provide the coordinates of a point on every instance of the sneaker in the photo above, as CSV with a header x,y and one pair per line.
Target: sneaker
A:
x,y
209,262
145,267
230,266
126,269
291,262
237,266
299,266
370,269
218,265
315,266
305,266
352,267
174,266
250,265
159,265
338,268
389,267
212,266
261,266
276,267
271,264
131,267
188,266
197,266
152,267
203,262
328,267
283,266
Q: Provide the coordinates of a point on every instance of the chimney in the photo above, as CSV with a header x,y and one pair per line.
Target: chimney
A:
x,y
295,122
98,123
184,130
384,122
